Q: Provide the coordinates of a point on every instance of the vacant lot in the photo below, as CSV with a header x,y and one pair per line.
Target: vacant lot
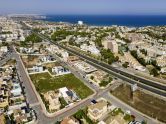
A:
x,y
143,102
30,60
44,82
51,64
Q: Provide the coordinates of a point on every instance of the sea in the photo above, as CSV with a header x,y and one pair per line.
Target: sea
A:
x,y
109,20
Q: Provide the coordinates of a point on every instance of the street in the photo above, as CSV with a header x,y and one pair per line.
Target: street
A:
x,y
44,118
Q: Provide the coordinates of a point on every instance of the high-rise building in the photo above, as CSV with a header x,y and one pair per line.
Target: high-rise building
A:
x,y
111,44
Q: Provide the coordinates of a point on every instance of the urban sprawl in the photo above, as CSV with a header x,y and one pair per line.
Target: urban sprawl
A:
x,y
63,73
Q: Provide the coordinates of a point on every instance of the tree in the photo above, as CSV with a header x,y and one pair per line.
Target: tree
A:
x,y
143,51
125,65
32,38
142,61
108,55
92,77
134,53
154,63
154,72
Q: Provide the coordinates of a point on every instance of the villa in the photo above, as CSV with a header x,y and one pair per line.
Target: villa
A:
x,y
98,110
59,70
53,99
69,95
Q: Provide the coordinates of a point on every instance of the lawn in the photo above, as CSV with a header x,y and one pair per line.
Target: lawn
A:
x,y
44,82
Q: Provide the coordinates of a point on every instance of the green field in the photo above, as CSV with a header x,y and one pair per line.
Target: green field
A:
x,y
44,82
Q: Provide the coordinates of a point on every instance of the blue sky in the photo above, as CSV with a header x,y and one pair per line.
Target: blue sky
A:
x,y
107,7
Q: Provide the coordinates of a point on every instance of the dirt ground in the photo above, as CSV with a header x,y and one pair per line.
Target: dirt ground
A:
x,y
51,65
143,102
30,61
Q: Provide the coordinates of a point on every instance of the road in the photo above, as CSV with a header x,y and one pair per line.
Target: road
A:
x,y
43,118
7,58
117,102
126,107
146,84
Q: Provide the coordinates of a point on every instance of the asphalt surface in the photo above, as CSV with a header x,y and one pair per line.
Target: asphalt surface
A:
x,y
146,84
43,119
106,94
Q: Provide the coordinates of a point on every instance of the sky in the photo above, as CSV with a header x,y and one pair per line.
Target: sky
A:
x,y
86,7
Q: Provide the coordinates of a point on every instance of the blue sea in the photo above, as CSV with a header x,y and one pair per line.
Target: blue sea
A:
x,y
108,20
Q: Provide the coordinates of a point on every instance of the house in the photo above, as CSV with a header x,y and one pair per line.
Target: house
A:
x,y
26,50
59,70
85,67
20,115
118,119
97,76
3,95
68,95
98,110
134,37
38,68
4,49
46,58
53,99
161,61
52,48
163,70
16,91
70,120
91,48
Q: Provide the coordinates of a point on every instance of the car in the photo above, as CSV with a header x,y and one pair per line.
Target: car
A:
x,y
134,122
93,101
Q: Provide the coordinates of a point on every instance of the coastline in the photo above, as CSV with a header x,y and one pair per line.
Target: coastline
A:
x,y
110,20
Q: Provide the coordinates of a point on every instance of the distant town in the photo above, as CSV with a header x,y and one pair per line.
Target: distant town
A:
x,y
63,73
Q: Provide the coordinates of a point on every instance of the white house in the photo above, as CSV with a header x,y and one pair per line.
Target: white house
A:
x,y
68,95
26,50
38,68
4,49
46,58
91,48
163,70
16,91
59,70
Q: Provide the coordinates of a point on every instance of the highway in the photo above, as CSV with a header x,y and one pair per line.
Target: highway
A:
x,y
149,85
146,84
44,118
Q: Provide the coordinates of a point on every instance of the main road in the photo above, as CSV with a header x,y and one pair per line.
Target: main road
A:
x,y
43,118
147,84
152,86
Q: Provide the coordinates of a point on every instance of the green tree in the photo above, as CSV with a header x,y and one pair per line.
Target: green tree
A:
x,y
125,65
91,77
134,53
154,72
